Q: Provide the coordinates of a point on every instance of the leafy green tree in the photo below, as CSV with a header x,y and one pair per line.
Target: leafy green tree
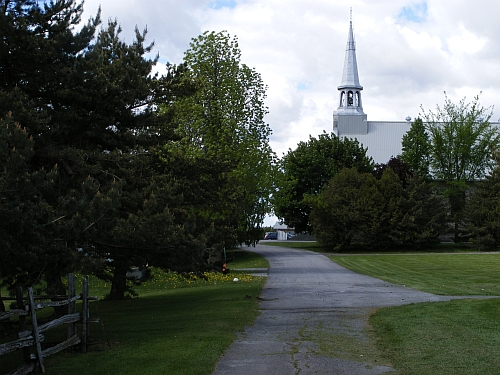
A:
x,y
416,148
305,170
463,145
222,142
402,169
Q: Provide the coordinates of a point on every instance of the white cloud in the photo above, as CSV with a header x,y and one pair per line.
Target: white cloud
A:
x,y
408,52
420,40
465,42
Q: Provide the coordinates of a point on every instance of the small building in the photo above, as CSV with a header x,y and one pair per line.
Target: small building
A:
x,y
284,232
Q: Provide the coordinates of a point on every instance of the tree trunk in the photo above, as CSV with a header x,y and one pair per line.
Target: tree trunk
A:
x,y
2,305
119,280
457,199
55,287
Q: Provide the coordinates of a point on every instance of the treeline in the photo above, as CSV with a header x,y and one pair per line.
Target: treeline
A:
x,y
446,183
105,165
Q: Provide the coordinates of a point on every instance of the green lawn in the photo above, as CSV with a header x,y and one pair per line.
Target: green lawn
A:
x,y
313,246
456,337
176,326
442,338
445,274
238,258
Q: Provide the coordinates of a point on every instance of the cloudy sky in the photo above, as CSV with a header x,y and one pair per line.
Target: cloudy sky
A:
x,y
409,51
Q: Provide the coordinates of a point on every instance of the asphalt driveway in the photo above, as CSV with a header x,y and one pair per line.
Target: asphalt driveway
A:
x,y
314,319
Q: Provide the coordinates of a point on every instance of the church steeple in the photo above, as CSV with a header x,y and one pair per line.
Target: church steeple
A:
x,y
350,116
350,89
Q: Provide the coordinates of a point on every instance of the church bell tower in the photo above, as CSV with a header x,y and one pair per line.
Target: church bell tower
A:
x,y
349,117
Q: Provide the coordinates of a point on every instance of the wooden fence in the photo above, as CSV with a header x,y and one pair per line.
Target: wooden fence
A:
x,y
29,340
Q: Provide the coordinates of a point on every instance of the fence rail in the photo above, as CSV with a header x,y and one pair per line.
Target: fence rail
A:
x,y
29,340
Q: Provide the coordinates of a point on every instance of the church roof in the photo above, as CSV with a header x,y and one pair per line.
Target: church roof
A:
x,y
350,76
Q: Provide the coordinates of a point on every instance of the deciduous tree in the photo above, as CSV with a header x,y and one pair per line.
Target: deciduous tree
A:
x,y
222,141
463,143
305,170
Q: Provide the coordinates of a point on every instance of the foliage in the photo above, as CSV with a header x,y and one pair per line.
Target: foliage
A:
x,y
463,145
306,169
220,148
23,210
341,213
38,54
378,214
86,100
483,212
398,166
463,140
416,148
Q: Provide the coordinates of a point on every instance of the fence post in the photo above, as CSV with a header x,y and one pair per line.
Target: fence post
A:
x,y
36,334
71,305
85,312
22,320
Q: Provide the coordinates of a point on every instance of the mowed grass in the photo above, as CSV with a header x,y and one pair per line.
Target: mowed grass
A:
x,y
456,337
238,259
176,326
444,274
306,245
441,338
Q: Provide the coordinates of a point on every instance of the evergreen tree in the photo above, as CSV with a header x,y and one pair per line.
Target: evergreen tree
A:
x,y
344,210
483,212
356,209
38,55
88,107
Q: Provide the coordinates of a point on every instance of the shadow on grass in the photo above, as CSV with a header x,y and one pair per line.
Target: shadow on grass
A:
x,y
180,331
446,247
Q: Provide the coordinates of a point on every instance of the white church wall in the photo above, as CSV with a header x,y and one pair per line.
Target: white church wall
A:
x,y
383,139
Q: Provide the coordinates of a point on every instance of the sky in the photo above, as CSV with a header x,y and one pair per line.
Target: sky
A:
x,y
408,52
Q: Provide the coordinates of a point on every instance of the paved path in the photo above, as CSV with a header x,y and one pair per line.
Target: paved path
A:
x,y
313,319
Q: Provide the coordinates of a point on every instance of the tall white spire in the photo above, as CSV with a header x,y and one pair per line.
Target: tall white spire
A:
x,y
350,89
350,118
350,77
